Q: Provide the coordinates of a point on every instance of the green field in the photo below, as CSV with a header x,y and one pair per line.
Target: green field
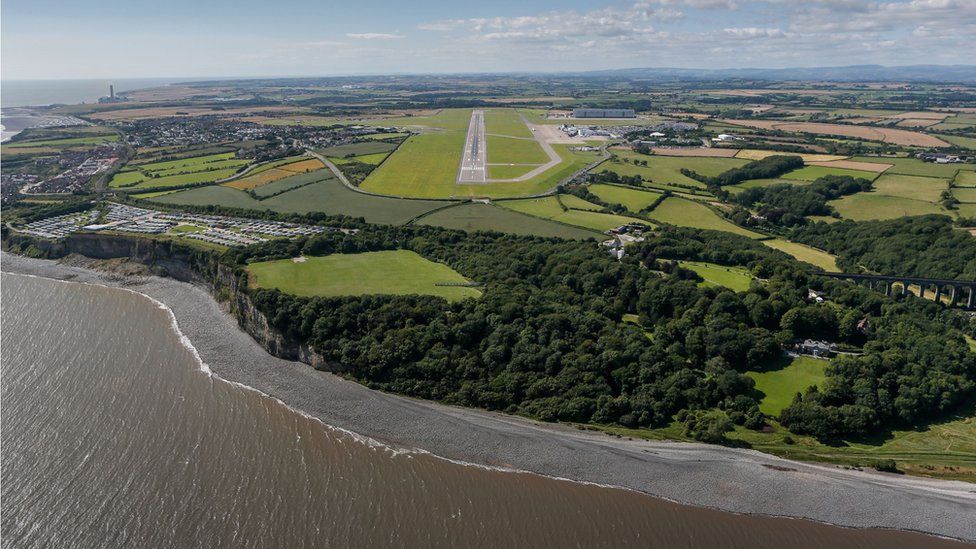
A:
x,y
181,180
551,208
964,194
178,172
512,150
754,183
374,159
805,253
328,196
357,149
779,386
632,199
293,182
811,173
126,178
425,166
736,279
687,213
872,205
667,169
965,178
913,166
265,166
68,142
960,141
152,194
505,122
508,172
577,203
398,272
928,189
573,161
488,217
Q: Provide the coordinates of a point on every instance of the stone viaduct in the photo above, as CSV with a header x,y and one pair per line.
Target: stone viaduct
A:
x,y
960,292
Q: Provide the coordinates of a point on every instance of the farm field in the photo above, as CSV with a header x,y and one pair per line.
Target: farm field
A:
x,y
664,169
960,141
928,189
397,272
736,279
192,178
686,213
888,135
964,194
872,205
632,199
328,196
357,149
260,177
805,253
812,173
68,142
965,178
488,217
374,159
577,203
754,183
177,172
291,182
755,154
913,166
780,385
852,165
551,208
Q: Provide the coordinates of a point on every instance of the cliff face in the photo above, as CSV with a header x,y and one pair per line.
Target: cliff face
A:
x,y
180,263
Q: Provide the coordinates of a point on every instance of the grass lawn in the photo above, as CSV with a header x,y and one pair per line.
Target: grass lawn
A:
x,y
632,199
445,119
186,229
687,213
573,161
872,205
488,217
328,196
505,122
508,172
811,173
780,385
510,150
357,149
425,166
735,278
928,189
805,253
399,272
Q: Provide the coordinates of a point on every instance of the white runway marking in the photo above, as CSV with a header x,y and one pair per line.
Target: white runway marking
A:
x,y
474,158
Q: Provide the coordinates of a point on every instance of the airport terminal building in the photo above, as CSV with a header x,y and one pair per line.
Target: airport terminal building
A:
x,y
604,113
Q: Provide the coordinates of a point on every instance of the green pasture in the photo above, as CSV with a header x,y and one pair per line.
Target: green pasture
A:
x,y
805,253
357,149
780,385
577,203
488,217
687,213
811,173
928,189
914,166
396,272
425,166
872,205
736,279
633,199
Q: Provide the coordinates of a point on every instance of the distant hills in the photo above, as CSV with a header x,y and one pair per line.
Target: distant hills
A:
x,y
852,73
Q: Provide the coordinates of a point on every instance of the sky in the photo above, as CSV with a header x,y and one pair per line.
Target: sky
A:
x,y
42,39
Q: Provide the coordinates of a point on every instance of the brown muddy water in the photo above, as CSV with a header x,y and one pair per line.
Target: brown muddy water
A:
x,y
113,436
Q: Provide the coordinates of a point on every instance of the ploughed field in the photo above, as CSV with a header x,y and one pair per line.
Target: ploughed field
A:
x,y
400,272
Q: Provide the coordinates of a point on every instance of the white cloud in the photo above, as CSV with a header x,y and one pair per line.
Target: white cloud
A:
x,y
373,36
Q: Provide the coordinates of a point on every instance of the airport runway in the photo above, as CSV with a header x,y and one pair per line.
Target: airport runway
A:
x,y
473,168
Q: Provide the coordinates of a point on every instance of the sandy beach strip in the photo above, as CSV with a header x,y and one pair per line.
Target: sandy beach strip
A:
x,y
729,479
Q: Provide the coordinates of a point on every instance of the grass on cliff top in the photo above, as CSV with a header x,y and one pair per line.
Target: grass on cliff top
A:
x,y
399,272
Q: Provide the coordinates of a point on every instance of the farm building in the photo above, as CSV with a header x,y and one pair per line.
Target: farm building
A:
x,y
604,113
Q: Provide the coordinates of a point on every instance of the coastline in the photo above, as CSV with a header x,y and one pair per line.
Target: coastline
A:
x,y
734,480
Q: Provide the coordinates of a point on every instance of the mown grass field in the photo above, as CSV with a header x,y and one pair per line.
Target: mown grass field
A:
x,y
811,173
508,172
734,278
667,169
488,217
397,272
511,150
913,166
687,213
805,253
577,203
551,208
928,189
425,166
965,178
872,205
374,159
505,122
633,199
964,194
573,161
357,149
779,385
328,196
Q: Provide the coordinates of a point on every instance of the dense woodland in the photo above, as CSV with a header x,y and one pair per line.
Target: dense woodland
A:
x,y
928,246
547,339
787,205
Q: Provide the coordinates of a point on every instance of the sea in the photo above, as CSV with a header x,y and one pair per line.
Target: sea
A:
x,y
114,434
35,93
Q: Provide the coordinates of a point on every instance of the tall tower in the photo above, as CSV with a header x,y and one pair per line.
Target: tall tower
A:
x,y
111,92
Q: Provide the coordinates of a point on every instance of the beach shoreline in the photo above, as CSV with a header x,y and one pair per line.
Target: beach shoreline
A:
x,y
728,479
